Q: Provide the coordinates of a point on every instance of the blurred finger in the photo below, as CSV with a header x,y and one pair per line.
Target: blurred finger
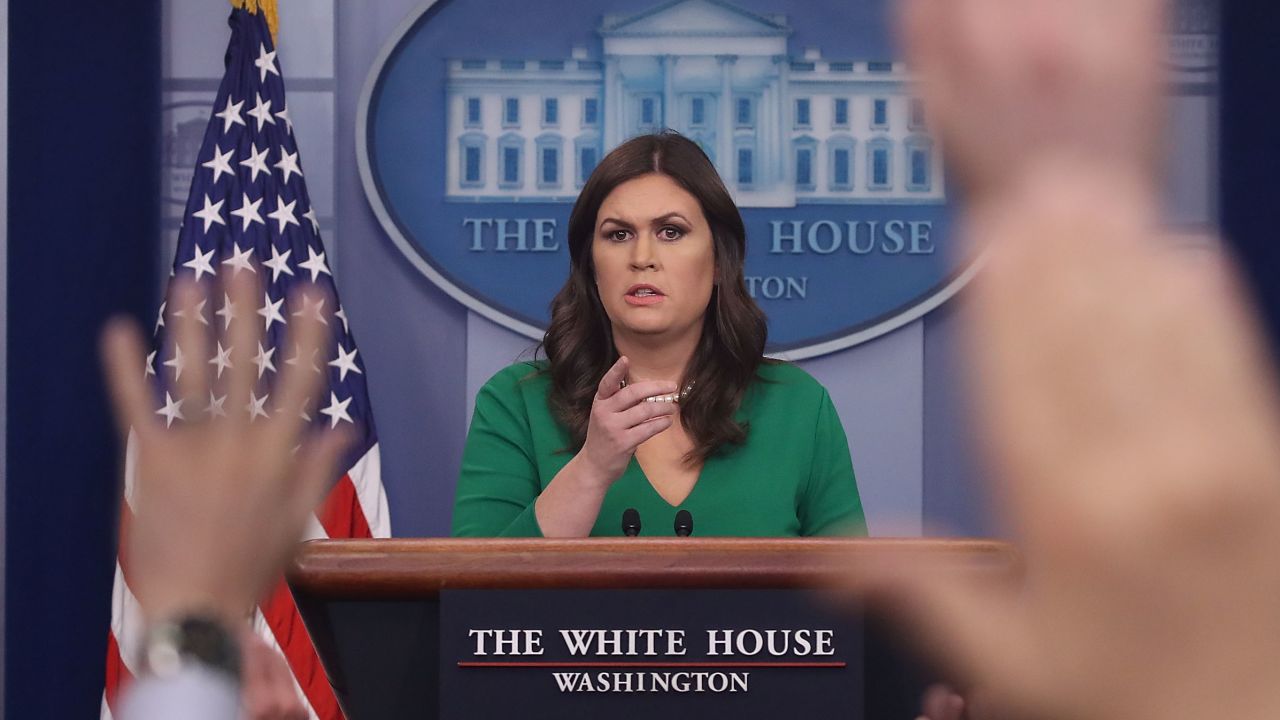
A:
x,y
940,702
612,380
285,703
255,686
242,339
317,468
190,344
297,494
967,623
124,361
916,25
299,383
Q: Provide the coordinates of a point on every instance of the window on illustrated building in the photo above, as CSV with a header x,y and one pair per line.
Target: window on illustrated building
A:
x,y
841,112
880,113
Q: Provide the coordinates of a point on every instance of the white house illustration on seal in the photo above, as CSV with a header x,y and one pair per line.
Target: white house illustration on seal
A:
x,y
781,130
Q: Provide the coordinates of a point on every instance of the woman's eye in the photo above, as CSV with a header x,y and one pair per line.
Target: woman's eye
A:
x,y
617,235
671,232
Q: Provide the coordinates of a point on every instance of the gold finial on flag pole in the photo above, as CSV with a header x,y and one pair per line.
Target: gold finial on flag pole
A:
x,y
268,8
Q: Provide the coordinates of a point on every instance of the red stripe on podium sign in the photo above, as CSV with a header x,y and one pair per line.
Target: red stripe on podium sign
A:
x,y
647,664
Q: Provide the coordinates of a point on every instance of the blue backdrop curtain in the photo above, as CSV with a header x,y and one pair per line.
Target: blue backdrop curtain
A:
x,y
83,189
1251,147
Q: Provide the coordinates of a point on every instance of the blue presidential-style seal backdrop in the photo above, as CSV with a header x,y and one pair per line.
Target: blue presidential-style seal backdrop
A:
x,y
481,120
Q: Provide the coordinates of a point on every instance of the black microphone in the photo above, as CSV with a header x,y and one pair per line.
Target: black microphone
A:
x,y
684,523
631,522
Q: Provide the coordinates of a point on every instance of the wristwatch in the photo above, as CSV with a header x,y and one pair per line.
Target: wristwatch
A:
x,y
191,640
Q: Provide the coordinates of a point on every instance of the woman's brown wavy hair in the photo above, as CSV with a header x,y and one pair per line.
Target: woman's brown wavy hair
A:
x,y
579,341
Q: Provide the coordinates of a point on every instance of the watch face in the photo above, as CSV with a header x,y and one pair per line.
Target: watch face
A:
x,y
194,639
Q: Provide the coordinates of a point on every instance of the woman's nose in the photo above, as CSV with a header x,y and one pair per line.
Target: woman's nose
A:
x,y
643,255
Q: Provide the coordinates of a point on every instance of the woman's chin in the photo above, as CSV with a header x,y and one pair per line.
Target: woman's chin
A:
x,y
648,328
646,323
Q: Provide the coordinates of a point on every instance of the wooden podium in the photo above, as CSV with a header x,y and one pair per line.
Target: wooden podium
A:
x,y
373,607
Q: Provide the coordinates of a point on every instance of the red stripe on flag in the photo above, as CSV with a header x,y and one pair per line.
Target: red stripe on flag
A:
x,y
118,676
341,514
286,625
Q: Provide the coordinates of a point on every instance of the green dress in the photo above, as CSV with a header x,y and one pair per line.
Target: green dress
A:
x,y
792,476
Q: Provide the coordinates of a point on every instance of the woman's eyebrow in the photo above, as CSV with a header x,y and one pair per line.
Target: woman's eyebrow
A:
x,y
668,217
615,221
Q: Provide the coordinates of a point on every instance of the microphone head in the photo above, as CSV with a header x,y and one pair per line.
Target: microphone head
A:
x,y
630,522
684,523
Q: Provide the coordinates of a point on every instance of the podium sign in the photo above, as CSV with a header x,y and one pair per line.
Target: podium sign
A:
x,y
547,628
647,653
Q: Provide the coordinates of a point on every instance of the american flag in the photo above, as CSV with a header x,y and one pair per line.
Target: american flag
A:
x,y
248,211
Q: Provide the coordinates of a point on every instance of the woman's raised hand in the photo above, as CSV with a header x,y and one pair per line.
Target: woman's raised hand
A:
x,y
621,420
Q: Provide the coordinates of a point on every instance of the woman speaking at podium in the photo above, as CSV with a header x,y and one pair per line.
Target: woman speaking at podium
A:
x,y
655,393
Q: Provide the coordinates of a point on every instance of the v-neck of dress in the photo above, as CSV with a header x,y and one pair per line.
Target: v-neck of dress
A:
x,y
742,414
644,478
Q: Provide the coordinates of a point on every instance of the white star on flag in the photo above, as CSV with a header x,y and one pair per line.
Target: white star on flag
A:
x,y
315,264
278,263
345,362
215,409
230,115
297,352
314,309
336,411
211,213
256,407
342,315
222,359
248,212
288,164
263,360
283,214
257,162
310,215
266,63
177,362
270,312
171,411
198,310
200,262
227,312
220,163
283,116
262,112
240,259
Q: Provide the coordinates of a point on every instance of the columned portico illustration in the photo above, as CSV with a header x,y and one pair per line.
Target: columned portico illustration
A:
x,y
782,129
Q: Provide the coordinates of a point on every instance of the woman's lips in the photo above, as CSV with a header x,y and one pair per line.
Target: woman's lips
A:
x,y
644,299
644,295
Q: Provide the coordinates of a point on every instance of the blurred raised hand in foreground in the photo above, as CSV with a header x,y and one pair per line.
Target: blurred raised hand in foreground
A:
x,y
1124,396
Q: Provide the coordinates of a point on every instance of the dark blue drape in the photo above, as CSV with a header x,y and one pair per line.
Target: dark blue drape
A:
x,y
83,188
1250,158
